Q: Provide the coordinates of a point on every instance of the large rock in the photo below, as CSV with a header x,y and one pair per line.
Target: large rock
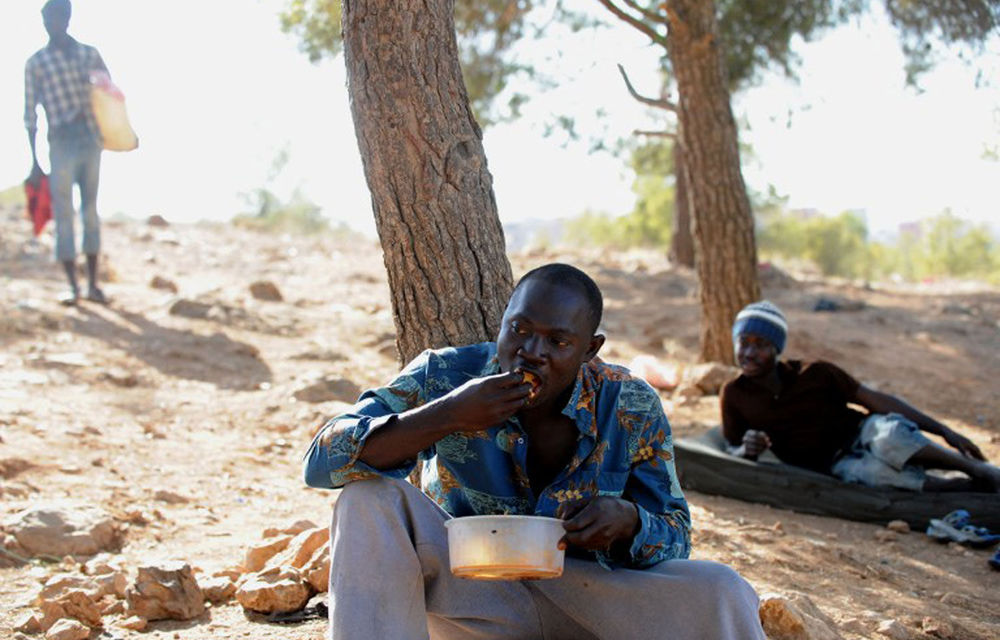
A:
x,y
28,623
165,592
159,282
114,584
300,549
74,603
893,630
259,553
277,590
60,584
62,529
266,290
317,570
294,528
67,630
134,623
189,308
111,605
710,377
795,617
108,573
217,589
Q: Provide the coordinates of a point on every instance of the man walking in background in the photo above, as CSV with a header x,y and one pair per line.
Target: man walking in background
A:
x,y
58,78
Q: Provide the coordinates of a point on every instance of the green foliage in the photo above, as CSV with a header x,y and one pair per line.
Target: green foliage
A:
x,y
942,246
839,246
654,157
758,34
617,232
922,23
954,247
297,215
487,30
317,25
650,223
13,196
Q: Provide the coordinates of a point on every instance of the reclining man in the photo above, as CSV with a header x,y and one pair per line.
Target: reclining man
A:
x,y
531,424
800,411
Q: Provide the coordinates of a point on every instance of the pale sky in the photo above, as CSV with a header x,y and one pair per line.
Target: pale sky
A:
x,y
216,92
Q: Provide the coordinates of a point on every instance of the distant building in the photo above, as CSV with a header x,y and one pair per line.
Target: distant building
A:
x,y
914,229
805,213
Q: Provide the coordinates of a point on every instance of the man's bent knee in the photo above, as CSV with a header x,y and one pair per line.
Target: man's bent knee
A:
x,y
713,581
368,493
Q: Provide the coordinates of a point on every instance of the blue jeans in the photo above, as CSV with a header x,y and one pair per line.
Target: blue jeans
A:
x,y
75,157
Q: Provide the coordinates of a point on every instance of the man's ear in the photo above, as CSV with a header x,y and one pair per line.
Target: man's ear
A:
x,y
596,342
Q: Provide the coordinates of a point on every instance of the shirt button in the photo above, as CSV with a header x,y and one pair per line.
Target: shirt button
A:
x,y
520,440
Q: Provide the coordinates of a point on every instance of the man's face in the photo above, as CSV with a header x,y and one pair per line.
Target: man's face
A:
x,y
546,330
755,355
56,21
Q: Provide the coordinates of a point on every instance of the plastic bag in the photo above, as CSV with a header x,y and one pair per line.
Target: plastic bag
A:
x,y
39,199
108,103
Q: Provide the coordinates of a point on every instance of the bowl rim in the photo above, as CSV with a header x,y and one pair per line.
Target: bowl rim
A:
x,y
524,518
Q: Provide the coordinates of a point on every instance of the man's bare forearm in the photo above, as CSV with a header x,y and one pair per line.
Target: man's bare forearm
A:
x,y
879,402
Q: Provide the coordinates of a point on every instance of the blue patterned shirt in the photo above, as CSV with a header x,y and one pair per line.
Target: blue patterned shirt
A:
x,y
624,450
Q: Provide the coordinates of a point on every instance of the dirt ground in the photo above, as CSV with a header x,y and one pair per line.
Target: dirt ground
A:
x,y
107,405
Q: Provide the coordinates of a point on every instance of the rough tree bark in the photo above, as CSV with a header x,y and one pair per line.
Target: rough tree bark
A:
x,y
423,159
725,251
681,242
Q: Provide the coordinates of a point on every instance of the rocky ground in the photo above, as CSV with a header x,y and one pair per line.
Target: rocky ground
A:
x,y
168,428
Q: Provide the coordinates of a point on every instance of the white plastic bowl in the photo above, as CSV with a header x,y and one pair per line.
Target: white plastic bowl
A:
x,y
505,547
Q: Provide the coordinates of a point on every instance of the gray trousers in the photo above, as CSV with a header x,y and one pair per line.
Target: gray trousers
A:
x,y
390,580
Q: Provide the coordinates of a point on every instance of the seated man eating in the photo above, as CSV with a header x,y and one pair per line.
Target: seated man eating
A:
x,y
800,411
531,424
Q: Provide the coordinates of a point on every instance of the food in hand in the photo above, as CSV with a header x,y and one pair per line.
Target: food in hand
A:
x,y
533,380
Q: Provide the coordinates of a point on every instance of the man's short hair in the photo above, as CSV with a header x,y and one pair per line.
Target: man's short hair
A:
x,y
566,275
57,7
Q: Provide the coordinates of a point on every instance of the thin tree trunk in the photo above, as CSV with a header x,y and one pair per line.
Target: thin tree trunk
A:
x,y
681,242
432,193
725,252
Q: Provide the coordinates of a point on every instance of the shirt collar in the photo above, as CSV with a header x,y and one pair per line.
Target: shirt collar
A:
x,y
581,405
72,45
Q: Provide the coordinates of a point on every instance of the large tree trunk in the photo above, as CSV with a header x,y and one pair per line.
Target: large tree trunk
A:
x,y
725,252
423,158
681,242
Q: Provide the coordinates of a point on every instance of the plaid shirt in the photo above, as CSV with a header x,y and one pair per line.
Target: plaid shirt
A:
x,y
625,450
59,80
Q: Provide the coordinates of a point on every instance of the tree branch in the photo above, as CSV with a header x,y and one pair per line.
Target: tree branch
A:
x,y
649,15
660,103
634,22
655,134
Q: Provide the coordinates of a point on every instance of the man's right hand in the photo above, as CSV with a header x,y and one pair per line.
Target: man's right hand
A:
x,y
477,405
36,174
481,403
754,443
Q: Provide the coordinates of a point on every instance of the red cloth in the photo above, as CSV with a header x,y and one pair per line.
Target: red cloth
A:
x,y
39,203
